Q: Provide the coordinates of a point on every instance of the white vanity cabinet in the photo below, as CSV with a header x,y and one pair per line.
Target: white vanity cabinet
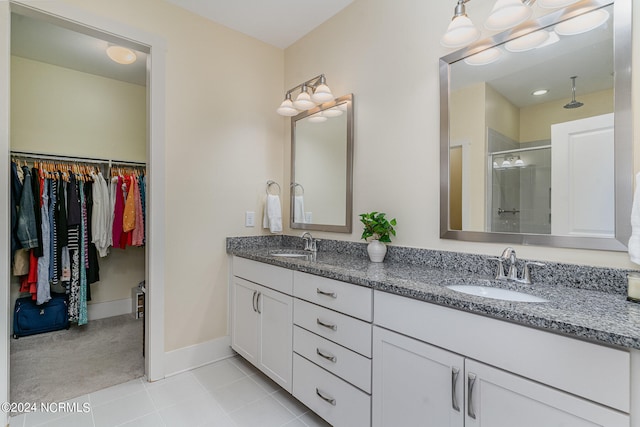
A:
x,y
545,379
332,349
262,317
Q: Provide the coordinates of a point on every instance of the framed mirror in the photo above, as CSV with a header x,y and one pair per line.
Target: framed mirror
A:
x,y
536,133
322,167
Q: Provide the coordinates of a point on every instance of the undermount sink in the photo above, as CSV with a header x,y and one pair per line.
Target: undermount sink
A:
x,y
496,293
290,254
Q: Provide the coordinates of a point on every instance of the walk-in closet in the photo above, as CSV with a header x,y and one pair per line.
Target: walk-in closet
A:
x,y
78,141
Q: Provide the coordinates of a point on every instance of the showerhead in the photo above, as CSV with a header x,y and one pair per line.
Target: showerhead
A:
x,y
573,103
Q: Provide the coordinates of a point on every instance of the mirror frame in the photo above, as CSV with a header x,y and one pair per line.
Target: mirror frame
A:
x,y
623,133
347,227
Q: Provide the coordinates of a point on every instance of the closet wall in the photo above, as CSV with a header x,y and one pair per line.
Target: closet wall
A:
x,y
55,110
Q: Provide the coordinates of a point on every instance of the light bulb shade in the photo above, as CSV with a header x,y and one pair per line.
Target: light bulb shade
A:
x,y
321,94
485,57
554,4
286,108
507,14
506,163
527,42
582,23
519,162
461,32
303,101
317,118
121,55
332,112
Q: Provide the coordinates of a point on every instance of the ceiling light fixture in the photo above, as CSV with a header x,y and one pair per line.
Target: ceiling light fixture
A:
x,y
573,103
121,55
508,13
461,30
582,23
305,100
540,92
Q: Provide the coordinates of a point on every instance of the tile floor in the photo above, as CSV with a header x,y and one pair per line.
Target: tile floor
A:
x,y
226,393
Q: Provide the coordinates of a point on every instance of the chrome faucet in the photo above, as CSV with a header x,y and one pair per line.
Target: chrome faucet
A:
x,y
310,244
509,255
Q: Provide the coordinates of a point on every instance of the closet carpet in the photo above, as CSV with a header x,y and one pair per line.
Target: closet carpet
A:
x,y
61,365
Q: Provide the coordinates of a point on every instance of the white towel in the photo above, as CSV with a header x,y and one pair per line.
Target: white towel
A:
x,y
634,241
272,218
298,209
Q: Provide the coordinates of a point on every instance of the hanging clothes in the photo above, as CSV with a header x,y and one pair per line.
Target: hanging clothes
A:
x,y
27,226
44,289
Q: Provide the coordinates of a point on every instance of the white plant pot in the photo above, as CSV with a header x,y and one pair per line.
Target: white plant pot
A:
x,y
376,250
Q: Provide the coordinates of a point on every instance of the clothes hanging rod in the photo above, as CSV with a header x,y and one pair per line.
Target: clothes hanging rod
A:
x,y
109,162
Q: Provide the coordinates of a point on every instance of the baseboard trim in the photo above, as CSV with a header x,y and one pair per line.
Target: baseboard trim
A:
x,y
100,310
187,358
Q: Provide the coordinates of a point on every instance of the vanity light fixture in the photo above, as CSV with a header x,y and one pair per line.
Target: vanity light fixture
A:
x,y
485,57
461,30
506,163
508,13
527,42
305,100
519,162
121,55
582,23
318,118
332,112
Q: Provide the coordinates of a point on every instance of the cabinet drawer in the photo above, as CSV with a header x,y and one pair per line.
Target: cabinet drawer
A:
x,y
354,300
273,277
346,364
335,400
346,331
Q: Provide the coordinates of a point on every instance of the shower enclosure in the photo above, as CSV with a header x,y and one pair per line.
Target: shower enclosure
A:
x,y
520,190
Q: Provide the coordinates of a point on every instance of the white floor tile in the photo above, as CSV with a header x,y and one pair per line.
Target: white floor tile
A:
x,y
73,420
265,382
197,412
17,421
41,417
106,395
151,420
243,365
175,390
266,412
238,394
123,410
296,423
219,374
290,402
312,420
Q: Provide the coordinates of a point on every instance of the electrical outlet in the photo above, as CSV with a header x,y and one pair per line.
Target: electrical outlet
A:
x,y
249,219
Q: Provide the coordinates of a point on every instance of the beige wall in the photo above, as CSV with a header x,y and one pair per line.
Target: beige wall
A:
x,y
55,110
536,121
387,53
502,115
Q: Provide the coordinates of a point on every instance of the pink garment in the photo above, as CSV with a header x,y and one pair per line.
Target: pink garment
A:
x,y
118,214
138,232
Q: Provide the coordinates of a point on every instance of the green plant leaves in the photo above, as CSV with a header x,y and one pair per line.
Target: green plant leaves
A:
x,y
376,226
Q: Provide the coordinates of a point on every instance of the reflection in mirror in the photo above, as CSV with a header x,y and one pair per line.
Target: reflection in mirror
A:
x,y
321,167
528,149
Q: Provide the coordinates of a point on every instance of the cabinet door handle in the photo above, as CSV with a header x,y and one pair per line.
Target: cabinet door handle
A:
x,y
253,300
328,294
328,356
327,399
471,382
258,303
327,325
455,372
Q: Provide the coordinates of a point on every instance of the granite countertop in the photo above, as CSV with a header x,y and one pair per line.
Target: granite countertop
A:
x,y
601,317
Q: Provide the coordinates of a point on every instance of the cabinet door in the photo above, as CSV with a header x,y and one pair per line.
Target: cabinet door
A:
x,y
276,335
415,384
244,329
497,398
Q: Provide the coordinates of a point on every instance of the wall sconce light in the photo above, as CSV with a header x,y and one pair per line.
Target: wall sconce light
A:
x,y
305,100
121,55
461,30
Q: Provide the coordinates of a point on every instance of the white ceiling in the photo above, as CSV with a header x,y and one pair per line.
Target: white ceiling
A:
x,y
277,22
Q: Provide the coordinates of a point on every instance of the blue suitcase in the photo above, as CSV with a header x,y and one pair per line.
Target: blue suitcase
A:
x,y
30,319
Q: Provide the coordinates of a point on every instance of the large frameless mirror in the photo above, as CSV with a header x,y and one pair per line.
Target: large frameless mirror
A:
x,y
536,142
321,167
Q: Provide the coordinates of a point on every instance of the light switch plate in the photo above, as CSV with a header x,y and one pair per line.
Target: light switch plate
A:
x,y
249,219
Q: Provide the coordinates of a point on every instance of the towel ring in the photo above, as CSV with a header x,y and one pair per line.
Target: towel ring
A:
x,y
270,183
294,185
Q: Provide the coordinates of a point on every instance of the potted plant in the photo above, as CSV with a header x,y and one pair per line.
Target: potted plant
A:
x,y
377,231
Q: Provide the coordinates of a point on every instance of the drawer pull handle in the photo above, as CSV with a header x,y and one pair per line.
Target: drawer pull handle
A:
x,y
327,325
329,357
454,384
253,300
328,294
258,303
471,381
325,398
